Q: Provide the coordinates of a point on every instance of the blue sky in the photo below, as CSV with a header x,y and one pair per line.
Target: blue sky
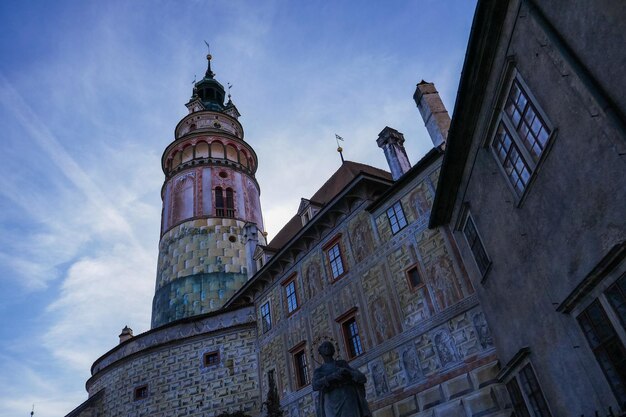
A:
x,y
90,93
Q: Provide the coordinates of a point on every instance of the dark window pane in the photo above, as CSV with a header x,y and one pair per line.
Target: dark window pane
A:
x,y
533,392
414,277
516,398
266,317
336,263
617,297
352,338
292,298
607,347
476,245
302,373
397,221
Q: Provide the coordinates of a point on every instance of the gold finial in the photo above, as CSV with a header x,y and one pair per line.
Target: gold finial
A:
x,y
209,56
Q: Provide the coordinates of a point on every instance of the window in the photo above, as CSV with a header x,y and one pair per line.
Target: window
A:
x,y
516,398
230,203
605,343
476,245
291,294
219,202
414,278
266,317
395,214
616,295
300,366
224,207
336,263
211,358
521,137
533,392
525,393
140,393
352,338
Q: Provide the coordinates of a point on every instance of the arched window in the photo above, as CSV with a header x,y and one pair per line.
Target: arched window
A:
x,y
219,202
230,203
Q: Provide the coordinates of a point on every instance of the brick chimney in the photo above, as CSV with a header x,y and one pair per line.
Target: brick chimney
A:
x,y
392,143
433,112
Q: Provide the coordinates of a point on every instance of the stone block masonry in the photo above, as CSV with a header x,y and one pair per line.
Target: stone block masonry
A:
x,y
170,362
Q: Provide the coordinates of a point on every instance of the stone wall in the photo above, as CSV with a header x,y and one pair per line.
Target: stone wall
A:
x,y
169,361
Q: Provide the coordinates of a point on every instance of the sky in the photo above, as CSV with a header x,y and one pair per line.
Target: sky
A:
x,y
90,93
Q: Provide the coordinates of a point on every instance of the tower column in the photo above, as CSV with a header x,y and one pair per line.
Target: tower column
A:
x,y
210,195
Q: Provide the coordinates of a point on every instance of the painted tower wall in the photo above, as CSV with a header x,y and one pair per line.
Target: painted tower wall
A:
x,y
202,259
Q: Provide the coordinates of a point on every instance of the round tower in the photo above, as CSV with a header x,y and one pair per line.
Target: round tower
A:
x,y
211,208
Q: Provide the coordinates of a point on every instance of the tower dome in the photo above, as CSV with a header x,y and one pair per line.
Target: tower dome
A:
x,y
211,208
208,90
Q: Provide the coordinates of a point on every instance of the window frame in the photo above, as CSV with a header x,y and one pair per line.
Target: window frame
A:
x,y
395,216
467,216
301,373
335,242
141,389
266,326
286,283
352,351
412,287
220,209
512,374
210,354
615,325
502,118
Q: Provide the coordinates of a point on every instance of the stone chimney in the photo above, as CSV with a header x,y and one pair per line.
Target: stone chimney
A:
x,y
433,112
392,143
251,240
127,334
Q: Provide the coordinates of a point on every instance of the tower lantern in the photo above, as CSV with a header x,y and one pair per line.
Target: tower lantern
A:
x,y
210,194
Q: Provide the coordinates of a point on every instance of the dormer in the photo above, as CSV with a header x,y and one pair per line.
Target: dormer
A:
x,y
194,105
307,210
262,254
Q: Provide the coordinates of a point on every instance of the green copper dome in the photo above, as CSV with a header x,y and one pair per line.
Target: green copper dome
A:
x,y
209,90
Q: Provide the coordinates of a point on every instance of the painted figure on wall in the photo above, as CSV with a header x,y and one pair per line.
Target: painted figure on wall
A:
x,y
446,348
361,241
314,278
380,379
482,330
411,365
420,202
445,284
341,388
183,198
380,319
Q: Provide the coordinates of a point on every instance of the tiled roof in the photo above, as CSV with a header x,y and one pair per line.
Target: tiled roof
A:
x,y
346,173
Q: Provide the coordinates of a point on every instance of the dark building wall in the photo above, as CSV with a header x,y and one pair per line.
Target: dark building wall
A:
x,y
543,243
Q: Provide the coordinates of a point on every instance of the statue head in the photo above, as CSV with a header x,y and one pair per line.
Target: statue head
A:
x,y
326,350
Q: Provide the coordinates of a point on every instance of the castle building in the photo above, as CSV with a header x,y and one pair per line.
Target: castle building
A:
x,y
487,279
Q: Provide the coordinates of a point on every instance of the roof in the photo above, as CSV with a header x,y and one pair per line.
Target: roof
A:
x,y
342,177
